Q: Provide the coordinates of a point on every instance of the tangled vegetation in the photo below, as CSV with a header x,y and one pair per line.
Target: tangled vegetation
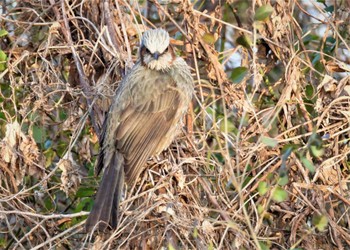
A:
x,y
262,163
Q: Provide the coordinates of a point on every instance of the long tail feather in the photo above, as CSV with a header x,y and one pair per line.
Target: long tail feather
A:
x,y
106,207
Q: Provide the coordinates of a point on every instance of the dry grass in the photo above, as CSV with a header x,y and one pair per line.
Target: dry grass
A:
x,y
262,164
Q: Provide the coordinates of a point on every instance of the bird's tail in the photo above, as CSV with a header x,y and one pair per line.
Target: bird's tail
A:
x,y
104,213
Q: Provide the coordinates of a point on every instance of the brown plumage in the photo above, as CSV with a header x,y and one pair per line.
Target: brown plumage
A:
x,y
142,121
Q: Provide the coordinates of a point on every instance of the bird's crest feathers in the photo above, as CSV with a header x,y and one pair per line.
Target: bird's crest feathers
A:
x,y
156,40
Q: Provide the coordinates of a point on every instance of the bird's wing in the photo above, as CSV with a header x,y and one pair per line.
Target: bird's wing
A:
x,y
100,158
143,126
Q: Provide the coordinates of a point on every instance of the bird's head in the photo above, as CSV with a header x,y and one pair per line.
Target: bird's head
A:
x,y
155,51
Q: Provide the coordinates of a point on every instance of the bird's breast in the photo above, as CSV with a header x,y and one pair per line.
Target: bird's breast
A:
x,y
148,84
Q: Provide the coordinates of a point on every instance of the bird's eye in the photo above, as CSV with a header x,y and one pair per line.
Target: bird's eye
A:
x,y
167,49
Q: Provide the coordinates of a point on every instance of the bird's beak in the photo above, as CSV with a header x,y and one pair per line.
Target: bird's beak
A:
x,y
156,55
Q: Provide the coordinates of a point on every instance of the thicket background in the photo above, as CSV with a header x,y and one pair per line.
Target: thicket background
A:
x,y
263,162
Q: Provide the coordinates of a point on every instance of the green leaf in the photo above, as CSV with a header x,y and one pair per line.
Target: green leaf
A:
x,y
263,188
260,209
39,134
171,247
310,37
316,151
62,115
288,149
50,154
279,194
238,74
84,204
209,38
263,12
263,246
195,233
245,41
246,181
3,242
268,141
308,164
309,91
211,246
3,32
3,59
316,59
85,192
49,206
331,40
3,56
329,9
320,222
283,180
231,128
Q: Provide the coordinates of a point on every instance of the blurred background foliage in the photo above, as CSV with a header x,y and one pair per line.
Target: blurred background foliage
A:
x,y
263,162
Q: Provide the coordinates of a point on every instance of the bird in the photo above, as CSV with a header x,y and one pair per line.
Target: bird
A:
x,y
144,117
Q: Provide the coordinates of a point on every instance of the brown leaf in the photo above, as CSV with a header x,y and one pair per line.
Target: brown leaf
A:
x,y
21,153
334,66
84,150
70,177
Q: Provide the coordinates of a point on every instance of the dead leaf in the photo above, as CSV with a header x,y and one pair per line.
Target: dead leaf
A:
x,y
84,149
21,153
70,178
180,177
328,84
207,227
